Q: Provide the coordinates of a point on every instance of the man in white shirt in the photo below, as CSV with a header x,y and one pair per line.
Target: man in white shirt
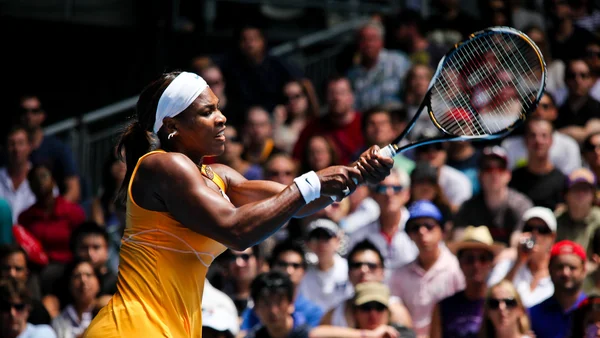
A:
x,y
387,232
325,284
14,186
529,272
564,151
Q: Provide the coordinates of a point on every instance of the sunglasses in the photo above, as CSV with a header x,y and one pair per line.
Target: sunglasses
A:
x,y
319,235
494,303
472,258
368,307
415,227
357,265
32,110
542,230
382,189
294,97
575,75
272,173
6,307
285,265
245,257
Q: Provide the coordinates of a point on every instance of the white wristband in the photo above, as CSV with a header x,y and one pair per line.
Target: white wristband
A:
x,y
309,186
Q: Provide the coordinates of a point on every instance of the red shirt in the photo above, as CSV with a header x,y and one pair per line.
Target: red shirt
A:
x,y
347,140
54,230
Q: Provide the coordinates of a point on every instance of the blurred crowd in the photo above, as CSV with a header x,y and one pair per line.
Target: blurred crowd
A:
x,y
463,239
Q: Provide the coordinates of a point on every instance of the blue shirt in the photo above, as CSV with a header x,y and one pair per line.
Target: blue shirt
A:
x,y
548,320
305,312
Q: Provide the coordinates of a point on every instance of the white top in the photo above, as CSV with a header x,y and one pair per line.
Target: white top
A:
x,y
366,212
68,324
37,331
456,186
19,199
400,251
522,283
327,288
564,152
219,311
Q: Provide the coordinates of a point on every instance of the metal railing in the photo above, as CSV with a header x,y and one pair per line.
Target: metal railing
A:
x,y
91,147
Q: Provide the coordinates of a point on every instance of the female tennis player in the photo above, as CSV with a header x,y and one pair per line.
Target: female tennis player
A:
x,y
181,214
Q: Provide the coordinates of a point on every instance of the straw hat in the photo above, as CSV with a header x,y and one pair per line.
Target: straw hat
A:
x,y
476,238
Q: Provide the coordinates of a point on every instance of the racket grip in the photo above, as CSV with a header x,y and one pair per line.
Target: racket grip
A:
x,y
388,151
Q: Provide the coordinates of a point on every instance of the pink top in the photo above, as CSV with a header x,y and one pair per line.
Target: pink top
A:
x,y
420,290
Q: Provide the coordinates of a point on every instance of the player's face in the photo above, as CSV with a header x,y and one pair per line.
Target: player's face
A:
x,y
201,127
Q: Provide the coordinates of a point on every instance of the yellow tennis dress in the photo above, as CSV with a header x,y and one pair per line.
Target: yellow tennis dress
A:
x,y
161,276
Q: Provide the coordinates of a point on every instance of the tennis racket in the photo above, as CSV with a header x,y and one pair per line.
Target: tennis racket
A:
x,y
483,88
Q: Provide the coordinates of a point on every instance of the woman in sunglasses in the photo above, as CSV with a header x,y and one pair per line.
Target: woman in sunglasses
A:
x,y
504,314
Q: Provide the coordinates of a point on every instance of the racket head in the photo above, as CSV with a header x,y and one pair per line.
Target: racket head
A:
x,y
484,87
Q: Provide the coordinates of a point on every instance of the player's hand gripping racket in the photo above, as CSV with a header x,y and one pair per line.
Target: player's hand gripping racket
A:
x,y
483,88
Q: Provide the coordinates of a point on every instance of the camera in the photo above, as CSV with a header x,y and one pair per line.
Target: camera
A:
x,y
527,243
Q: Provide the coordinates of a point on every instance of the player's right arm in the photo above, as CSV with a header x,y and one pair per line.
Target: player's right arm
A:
x,y
172,183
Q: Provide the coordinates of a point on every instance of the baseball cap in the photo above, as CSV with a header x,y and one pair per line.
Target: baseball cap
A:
x,y
542,213
371,292
424,208
323,223
567,247
581,175
495,152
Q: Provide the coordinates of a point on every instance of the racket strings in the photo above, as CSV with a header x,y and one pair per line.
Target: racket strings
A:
x,y
487,85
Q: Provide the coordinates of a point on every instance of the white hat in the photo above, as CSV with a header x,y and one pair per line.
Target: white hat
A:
x,y
218,310
542,213
326,224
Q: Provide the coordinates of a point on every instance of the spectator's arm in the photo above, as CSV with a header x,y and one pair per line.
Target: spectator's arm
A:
x,y
327,331
72,189
580,133
435,330
399,315
97,214
52,305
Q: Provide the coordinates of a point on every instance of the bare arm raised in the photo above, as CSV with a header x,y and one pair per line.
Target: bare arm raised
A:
x,y
183,192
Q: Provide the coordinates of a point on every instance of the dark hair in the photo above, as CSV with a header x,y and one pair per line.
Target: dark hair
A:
x,y
255,252
85,229
248,24
109,185
31,173
11,249
11,288
588,306
365,245
411,17
272,283
16,128
308,89
138,138
304,163
286,246
65,281
366,115
596,241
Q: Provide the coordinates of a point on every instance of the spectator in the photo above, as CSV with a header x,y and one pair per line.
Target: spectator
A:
x,y
371,312
464,157
325,284
564,151
416,87
51,220
14,264
15,301
14,186
578,116
592,58
580,217
408,35
555,68
365,264
586,319
567,40
529,272
320,153
232,156
379,76
219,315
259,145
213,76
552,317
591,284
341,124
289,258
522,18
591,153
104,210
274,295
387,232
456,185
539,180
242,268
254,78
499,207
48,150
425,186
83,285
451,22
281,168
475,251
435,273
301,105
504,313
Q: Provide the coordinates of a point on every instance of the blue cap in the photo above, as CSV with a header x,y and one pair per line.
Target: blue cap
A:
x,y
424,208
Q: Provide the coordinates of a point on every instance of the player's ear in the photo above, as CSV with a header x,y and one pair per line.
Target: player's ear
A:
x,y
170,125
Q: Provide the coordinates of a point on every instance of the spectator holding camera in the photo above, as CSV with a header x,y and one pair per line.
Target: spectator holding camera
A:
x,y
529,272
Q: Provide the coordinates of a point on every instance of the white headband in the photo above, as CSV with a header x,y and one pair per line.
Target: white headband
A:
x,y
184,89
